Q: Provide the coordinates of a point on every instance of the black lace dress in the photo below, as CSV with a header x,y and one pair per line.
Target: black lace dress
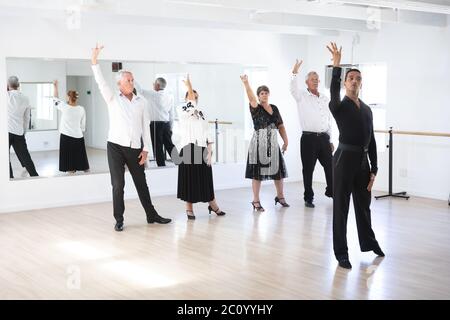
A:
x,y
265,160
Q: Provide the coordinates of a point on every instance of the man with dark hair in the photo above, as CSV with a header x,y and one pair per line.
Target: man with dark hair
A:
x,y
18,120
162,113
352,173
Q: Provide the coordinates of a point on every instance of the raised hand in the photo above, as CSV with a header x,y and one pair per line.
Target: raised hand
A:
x,y
337,54
95,53
244,78
297,66
55,89
188,82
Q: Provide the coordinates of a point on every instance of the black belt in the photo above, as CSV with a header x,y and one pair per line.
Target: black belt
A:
x,y
350,147
315,133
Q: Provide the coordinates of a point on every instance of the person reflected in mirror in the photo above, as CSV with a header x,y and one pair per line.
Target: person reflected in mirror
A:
x,y
265,159
195,177
352,173
19,113
316,121
162,114
72,149
128,140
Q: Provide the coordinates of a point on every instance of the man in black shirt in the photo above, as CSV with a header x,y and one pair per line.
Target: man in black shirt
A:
x,y
352,173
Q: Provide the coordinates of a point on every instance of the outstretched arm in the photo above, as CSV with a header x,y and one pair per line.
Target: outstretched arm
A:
x,y
295,88
105,90
55,89
335,87
58,103
250,94
188,84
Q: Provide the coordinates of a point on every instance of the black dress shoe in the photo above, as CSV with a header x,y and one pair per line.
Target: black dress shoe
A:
x,y
158,219
378,252
118,226
309,204
345,263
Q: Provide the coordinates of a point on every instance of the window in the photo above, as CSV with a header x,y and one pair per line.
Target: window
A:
x,y
44,101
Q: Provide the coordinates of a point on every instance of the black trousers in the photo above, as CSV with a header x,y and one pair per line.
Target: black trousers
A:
x,y
161,135
118,157
351,177
20,147
315,147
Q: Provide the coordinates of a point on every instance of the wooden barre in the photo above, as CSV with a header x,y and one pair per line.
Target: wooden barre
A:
x,y
221,122
415,133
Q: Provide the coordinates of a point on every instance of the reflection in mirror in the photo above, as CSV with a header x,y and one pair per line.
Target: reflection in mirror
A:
x,y
221,97
43,115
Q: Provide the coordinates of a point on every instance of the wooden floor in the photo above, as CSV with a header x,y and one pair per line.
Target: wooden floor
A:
x,y
74,253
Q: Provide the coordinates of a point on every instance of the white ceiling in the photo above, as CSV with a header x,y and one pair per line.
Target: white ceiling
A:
x,y
325,17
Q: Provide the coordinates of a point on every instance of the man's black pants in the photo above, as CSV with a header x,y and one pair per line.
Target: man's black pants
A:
x,y
161,134
118,157
351,176
20,147
315,147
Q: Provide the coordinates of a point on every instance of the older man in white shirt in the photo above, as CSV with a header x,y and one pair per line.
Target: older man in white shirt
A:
x,y
18,120
162,114
315,120
128,130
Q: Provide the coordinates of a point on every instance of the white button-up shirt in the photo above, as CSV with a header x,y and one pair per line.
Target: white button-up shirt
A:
x,y
128,120
194,126
18,112
313,111
160,103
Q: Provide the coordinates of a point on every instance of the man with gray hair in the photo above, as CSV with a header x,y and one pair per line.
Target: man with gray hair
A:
x,y
315,120
128,141
18,121
162,114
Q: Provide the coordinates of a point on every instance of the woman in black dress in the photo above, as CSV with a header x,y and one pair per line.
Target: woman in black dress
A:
x,y
195,178
265,159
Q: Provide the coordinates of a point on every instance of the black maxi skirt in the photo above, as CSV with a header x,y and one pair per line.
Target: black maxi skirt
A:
x,y
195,178
72,154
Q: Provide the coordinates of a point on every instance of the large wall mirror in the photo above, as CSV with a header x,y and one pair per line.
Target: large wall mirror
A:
x,y
220,90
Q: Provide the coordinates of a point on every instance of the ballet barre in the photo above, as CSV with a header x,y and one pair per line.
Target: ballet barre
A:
x,y
390,147
216,127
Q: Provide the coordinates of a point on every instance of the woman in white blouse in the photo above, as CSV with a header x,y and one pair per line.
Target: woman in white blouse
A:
x,y
72,150
195,179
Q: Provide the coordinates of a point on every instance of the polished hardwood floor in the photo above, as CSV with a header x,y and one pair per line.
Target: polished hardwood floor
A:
x,y
282,253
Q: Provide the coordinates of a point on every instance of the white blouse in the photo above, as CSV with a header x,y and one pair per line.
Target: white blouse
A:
x,y
73,119
194,126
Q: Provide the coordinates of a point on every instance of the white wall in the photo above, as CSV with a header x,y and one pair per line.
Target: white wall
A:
x,y
418,95
126,42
